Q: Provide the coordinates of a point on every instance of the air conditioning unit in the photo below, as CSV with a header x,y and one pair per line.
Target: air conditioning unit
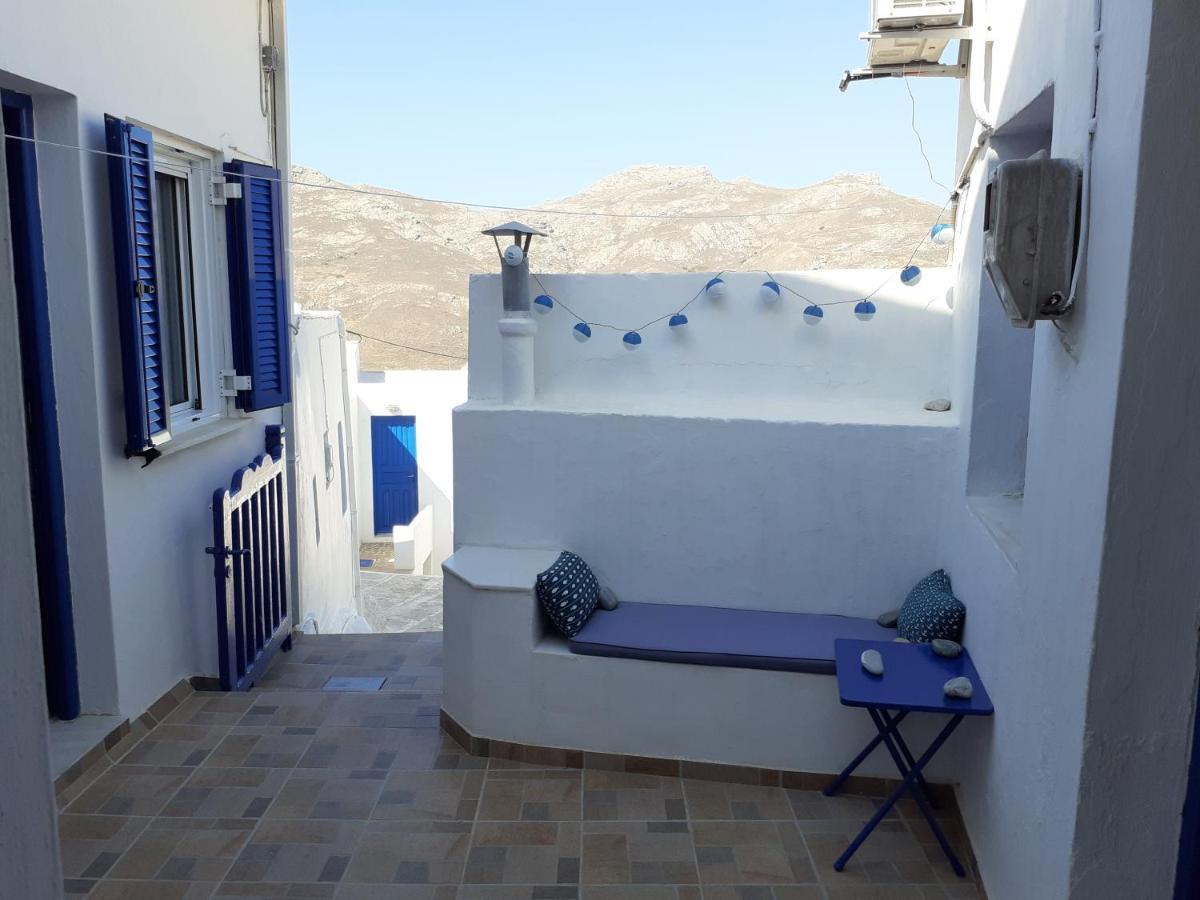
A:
x,y
1030,235
905,15
916,13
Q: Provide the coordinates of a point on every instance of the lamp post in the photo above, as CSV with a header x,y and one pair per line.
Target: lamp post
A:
x,y
517,327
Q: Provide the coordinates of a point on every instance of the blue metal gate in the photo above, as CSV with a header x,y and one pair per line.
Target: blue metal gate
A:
x,y
394,470
250,565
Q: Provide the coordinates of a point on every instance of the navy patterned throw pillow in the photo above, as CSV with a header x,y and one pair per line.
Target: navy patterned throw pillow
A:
x,y
568,592
932,611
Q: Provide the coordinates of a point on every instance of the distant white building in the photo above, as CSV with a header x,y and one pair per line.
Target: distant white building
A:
x,y
405,457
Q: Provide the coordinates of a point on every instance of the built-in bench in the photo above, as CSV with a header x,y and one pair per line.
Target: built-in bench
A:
x,y
745,698
716,636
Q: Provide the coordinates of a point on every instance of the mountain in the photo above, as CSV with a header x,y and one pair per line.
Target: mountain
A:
x,y
396,267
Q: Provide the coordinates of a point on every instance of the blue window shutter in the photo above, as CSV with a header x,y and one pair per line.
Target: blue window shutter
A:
x,y
258,293
131,193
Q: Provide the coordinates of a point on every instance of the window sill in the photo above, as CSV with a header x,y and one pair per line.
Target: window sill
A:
x,y
1000,515
202,434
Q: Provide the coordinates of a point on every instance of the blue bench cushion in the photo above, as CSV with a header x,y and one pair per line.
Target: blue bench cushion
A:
x,y
715,636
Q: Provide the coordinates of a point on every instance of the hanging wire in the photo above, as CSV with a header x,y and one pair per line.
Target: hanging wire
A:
x,y
920,141
379,340
467,204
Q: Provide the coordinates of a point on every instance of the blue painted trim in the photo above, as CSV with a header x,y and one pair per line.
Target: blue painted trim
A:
x,y
1187,869
258,289
131,199
41,418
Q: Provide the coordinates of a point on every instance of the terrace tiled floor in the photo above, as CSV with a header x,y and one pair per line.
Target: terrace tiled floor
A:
x,y
295,792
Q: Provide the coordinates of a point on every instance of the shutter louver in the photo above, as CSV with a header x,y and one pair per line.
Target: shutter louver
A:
x,y
258,292
131,195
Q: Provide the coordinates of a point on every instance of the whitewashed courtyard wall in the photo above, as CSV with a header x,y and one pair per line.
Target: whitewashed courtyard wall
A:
x,y
326,535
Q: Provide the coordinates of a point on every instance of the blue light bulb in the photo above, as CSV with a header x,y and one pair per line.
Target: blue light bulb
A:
x,y
813,314
543,303
677,320
769,292
716,288
582,332
865,310
632,340
910,275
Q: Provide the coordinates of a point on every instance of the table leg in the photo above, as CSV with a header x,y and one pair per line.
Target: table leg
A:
x,y
901,755
906,783
836,785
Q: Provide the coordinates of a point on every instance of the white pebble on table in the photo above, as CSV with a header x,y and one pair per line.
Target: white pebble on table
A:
x,y
959,687
872,662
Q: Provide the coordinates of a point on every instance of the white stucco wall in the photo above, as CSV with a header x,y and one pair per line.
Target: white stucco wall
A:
x,y
737,358
325,535
143,588
752,460
431,396
1031,625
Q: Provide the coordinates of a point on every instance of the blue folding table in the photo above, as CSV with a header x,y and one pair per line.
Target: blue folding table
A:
x,y
913,680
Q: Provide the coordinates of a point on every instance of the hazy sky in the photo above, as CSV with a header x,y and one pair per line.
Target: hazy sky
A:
x,y
515,103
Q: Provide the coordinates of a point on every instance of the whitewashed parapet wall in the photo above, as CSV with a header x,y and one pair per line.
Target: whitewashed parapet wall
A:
x,y
751,460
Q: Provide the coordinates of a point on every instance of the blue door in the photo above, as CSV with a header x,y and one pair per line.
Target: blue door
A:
x,y
394,470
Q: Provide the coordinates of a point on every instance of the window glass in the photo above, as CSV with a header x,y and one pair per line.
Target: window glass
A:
x,y
173,245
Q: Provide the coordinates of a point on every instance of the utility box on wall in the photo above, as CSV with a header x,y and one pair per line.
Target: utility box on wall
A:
x,y
1030,232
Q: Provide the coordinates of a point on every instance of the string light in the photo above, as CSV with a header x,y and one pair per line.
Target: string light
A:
x,y
716,288
864,310
813,314
582,332
910,275
632,340
543,303
942,233
769,292
678,320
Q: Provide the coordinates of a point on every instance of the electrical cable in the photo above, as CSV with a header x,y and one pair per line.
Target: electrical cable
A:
x,y
379,340
396,195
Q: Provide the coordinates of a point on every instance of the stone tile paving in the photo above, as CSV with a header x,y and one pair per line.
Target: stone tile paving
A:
x,y
395,603
290,791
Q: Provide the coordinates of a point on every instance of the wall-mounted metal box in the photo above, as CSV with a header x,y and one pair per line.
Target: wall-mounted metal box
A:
x,y
1030,232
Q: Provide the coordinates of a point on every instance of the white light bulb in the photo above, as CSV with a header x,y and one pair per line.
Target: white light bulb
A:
x,y
513,255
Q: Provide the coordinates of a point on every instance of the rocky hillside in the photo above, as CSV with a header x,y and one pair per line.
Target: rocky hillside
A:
x,y
397,267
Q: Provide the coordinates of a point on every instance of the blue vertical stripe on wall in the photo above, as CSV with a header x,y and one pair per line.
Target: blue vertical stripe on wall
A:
x,y
258,293
394,470
41,409
131,196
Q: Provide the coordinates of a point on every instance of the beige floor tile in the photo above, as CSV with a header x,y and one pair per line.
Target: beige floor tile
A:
x,y
524,853
92,844
387,709
640,892
638,853
748,853
271,747
764,892
430,796
632,797
131,790
546,796
410,853
152,890
716,800
227,793
175,745
184,850
328,794
307,709
211,708
297,850
359,747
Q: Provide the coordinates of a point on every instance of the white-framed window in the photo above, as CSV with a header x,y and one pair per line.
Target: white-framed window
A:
x,y
192,302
